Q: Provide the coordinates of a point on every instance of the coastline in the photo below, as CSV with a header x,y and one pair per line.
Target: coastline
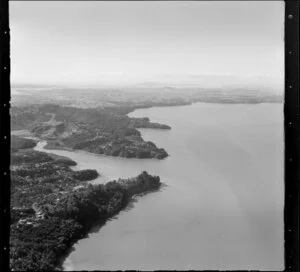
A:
x,y
98,224
52,143
193,101
101,251
120,175
117,196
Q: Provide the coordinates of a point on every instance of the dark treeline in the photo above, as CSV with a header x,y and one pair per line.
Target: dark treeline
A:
x,y
85,175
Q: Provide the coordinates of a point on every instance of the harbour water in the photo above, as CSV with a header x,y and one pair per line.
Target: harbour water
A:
x,y
222,206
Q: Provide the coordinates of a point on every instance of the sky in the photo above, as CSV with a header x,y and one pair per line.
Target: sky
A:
x,y
94,43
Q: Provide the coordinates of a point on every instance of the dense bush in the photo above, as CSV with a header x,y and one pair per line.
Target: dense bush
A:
x,y
67,162
40,247
33,181
85,175
41,244
30,157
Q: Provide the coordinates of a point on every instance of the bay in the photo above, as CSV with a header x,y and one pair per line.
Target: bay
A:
x,y
222,206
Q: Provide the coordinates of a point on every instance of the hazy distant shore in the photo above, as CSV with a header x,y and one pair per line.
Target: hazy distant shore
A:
x,y
121,109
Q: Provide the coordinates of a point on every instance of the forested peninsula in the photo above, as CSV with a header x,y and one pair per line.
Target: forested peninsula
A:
x,y
107,131
52,206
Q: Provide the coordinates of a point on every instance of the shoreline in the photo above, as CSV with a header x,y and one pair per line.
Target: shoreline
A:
x,y
81,151
206,102
96,227
120,210
51,143
122,194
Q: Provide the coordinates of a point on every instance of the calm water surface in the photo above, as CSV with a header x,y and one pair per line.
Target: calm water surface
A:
x,y
222,207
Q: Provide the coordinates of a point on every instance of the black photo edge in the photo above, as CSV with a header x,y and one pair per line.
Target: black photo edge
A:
x,y
291,135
